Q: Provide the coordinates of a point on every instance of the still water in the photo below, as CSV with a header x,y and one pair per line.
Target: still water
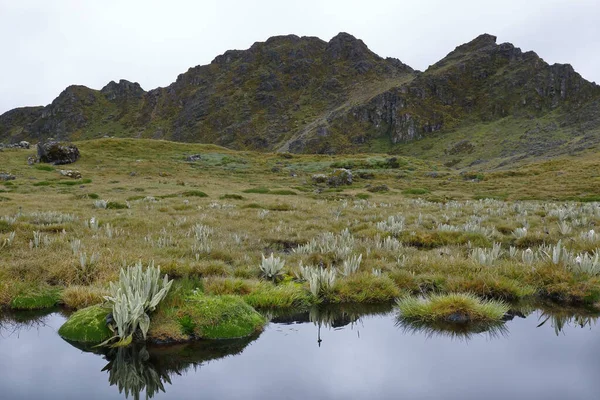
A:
x,y
342,353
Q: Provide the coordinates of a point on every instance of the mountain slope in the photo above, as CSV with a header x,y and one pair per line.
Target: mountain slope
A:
x,y
302,94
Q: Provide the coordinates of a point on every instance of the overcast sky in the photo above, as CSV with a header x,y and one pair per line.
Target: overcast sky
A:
x,y
47,45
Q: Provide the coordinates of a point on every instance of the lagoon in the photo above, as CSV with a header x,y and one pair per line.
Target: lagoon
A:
x,y
333,353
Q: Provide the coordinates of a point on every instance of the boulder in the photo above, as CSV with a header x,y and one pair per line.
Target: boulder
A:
x,y
57,153
193,158
319,178
339,177
70,173
87,326
21,145
5,176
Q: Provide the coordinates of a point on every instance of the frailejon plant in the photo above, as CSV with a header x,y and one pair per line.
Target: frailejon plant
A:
x,y
587,263
87,268
320,280
520,233
271,267
137,294
8,241
555,254
564,228
487,256
351,265
528,257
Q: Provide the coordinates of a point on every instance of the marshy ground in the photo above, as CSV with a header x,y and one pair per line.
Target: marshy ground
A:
x,y
403,227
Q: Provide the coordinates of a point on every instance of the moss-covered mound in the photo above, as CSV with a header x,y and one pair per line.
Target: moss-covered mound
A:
x,y
36,299
454,307
87,326
206,317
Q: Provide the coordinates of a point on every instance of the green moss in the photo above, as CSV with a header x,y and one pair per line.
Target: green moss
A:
x,y
36,299
218,317
87,326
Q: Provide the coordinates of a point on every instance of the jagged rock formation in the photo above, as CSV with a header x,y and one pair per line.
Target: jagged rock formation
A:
x,y
303,94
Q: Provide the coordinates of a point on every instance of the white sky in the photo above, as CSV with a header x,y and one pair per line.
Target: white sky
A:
x,y
47,45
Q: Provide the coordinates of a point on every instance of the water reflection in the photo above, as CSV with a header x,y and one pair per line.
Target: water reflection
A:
x,y
130,370
454,331
13,323
330,316
145,369
362,349
562,318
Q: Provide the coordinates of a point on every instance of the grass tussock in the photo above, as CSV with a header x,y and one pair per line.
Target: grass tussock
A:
x,y
289,295
78,297
454,307
364,288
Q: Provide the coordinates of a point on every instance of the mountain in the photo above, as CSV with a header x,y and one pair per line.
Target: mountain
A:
x,y
482,101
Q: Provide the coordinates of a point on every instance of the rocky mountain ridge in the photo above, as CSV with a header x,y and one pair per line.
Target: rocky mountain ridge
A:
x,y
302,94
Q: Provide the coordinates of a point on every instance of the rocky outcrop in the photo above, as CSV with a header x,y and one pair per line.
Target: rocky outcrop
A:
x,y
303,94
57,153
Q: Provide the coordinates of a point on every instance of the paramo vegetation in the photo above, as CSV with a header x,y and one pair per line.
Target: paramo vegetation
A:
x,y
241,231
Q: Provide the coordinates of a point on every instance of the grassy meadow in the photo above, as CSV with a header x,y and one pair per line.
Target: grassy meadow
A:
x,y
403,227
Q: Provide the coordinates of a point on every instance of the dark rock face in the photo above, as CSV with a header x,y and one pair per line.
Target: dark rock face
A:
x,y
57,153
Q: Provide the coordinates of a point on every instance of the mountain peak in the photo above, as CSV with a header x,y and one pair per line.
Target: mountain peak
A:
x,y
345,46
480,42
